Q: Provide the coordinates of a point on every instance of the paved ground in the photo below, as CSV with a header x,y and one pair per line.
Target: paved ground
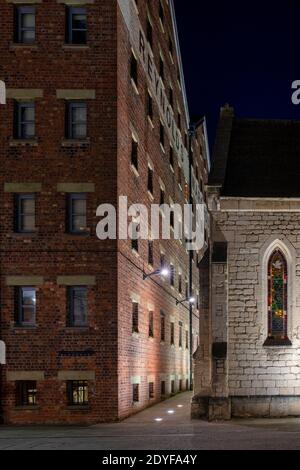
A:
x,y
175,431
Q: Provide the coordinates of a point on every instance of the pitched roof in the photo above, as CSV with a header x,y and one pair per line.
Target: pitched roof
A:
x,y
256,158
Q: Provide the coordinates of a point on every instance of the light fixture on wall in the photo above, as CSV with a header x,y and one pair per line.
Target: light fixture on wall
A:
x,y
163,272
190,300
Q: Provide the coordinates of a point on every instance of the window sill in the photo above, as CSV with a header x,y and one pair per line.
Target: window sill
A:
x,y
150,122
135,335
134,86
277,342
27,408
75,143
15,45
25,327
78,408
150,195
134,170
77,329
24,234
75,47
23,143
162,147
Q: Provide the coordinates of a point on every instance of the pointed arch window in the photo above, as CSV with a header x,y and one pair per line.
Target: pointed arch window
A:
x,y
277,300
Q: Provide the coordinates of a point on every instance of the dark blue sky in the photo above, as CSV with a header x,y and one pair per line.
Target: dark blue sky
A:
x,y
244,53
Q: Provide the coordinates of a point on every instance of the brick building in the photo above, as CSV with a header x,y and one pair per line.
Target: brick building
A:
x,y
251,365
96,109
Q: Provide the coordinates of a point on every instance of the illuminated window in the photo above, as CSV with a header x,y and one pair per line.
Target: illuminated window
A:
x,y
77,392
277,296
26,306
26,393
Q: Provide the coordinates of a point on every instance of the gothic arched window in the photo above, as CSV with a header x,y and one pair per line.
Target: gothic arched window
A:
x,y
277,297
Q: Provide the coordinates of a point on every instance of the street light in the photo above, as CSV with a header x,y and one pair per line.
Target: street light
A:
x,y
164,272
191,300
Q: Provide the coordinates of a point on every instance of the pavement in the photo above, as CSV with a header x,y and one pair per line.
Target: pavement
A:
x,y
166,426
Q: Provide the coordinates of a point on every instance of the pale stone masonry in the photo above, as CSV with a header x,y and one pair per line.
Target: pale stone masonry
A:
x,y
250,373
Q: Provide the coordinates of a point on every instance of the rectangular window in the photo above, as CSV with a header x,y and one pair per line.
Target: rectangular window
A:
x,y
134,69
25,213
151,390
78,308
186,339
76,25
172,275
163,388
150,252
26,306
187,384
135,317
150,107
162,135
180,335
25,24
26,392
134,154
162,196
134,236
76,120
149,33
179,121
161,68
171,97
135,393
172,387
162,260
150,180
172,333
171,158
161,13
77,391
151,324
77,212
180,385
180,283
186,288
24,120
162,327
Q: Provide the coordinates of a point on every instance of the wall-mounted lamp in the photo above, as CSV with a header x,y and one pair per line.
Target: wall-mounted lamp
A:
x,y
190,300
164,272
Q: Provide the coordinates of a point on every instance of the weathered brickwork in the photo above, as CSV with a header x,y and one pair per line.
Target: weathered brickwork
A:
x,y
105,353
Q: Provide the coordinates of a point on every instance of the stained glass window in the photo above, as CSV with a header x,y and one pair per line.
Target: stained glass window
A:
x,y
277,296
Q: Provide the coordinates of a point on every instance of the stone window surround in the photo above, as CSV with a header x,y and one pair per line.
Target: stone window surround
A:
x,y
273,243
24,94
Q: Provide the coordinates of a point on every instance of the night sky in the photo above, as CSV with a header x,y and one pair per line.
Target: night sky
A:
x,y
244,53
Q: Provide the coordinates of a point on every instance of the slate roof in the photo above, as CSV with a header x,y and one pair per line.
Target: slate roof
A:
x,y
256,158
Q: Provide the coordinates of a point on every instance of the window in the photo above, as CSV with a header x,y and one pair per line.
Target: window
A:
x,y
161,68
219,254
24,120
76,120
25,25
172,387
180,335
180,283
180,385
186,339
26,392
162,260
150,252
172,215
26,306
171,97
134,69
135,236
77,391
179,177
161,13
134,154
135,393
25,213
162,196
186,288
172,336
162,135
151,325
171,158
171,47
187,384
76,26
150,180
172,275
163,388
150,107
277,297
135,317
179,121
78,309
162,327
77,213
151,390
149,33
